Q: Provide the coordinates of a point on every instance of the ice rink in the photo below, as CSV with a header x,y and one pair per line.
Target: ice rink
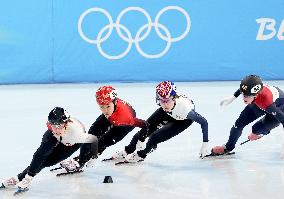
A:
x,y
174,170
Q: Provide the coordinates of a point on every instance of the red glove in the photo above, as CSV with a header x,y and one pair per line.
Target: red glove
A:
x,y
253,137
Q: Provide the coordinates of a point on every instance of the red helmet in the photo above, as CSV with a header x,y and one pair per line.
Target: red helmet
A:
x,y
105,95
165,89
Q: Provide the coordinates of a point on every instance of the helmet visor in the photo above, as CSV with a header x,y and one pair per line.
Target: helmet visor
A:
x,y
58,126
165,100
248,96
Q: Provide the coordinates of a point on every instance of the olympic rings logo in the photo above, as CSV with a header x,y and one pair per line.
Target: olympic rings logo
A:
x,y
129,38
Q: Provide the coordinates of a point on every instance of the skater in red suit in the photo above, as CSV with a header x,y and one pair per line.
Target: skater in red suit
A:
x,y
118,118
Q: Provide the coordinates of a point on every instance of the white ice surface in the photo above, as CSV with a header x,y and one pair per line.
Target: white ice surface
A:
x,y
172,171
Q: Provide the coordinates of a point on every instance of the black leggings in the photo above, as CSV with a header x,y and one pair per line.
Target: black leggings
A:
x,y
162,127
60,153
107,135
250,113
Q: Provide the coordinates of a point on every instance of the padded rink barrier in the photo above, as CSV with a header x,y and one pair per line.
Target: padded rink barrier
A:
x,y
101,41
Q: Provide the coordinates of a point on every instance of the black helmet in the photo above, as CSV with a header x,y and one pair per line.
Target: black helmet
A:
x,y
58,116
251,85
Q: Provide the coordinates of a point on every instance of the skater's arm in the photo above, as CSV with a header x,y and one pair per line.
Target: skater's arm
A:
x,y
45,149
276,112
230,99
200,120
237,93
140,123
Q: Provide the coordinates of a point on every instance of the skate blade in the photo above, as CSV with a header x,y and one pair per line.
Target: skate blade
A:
x,y
107,159
56,168
69,173
2,186
20,191
126,162
219,155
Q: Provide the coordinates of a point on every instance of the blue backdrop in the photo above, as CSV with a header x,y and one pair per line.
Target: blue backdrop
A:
x,y
104,40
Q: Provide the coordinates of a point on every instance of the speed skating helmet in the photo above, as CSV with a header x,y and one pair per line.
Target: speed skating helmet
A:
x,y
58,116
105,95
165,90
251,85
